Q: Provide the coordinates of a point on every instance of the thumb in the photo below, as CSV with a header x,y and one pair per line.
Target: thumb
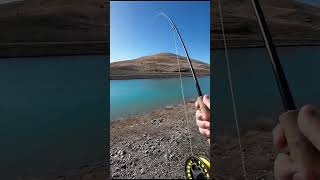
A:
x,y
206,101
309,124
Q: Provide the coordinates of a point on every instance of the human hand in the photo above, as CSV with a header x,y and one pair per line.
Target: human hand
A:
x,y
203,115
287,167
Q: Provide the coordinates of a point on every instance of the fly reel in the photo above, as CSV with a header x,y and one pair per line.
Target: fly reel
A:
x,y
197,168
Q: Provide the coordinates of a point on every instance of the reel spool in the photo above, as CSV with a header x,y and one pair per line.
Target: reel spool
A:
x,y
197,168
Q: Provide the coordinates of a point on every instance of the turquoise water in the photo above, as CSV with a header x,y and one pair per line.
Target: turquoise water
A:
x,y
256,93
54,110
128,97
53,114
311,2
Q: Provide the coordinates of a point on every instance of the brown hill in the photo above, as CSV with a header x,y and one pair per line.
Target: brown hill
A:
x,y
60,27
290,22
156,66
53,21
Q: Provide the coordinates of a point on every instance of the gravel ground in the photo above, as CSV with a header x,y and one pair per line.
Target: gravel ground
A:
x,y
258,156
155,144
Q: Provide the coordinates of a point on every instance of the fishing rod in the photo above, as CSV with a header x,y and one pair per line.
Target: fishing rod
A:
x,y
287,99
195,167
187,54
301,150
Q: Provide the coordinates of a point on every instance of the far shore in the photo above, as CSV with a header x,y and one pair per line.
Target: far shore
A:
x,y
40,49
154,76
232,45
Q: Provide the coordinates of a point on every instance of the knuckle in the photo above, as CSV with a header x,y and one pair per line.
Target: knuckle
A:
x,y
207,125
206,117
201,131
202,125
198,114
198,123
208,133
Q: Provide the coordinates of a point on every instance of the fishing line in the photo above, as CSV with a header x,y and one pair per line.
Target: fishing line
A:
x,y
173,26
181,84
195,167
231,90
182,92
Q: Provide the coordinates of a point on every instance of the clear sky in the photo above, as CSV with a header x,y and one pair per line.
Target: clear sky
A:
x,y
137,30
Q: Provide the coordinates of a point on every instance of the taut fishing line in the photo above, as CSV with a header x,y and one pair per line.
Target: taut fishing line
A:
x,y
195,167
231,91
182,92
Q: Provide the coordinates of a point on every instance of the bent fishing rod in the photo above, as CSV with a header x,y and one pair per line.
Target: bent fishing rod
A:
x,y
195,167
301,150
186,52
283,87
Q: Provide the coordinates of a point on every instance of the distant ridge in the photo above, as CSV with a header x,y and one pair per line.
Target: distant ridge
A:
x,y
291,23
161,65
59,27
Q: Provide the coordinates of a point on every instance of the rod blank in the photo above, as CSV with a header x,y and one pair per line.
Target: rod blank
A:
x,y
186,52
281,80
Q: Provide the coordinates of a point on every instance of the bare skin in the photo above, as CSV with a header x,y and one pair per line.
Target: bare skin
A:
x,y
203,115
309,125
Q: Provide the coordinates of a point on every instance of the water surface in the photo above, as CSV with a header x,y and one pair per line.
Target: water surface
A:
x,y
129,97
53,113
256,93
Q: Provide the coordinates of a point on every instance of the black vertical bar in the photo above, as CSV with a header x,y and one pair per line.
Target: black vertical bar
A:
x,y
282,82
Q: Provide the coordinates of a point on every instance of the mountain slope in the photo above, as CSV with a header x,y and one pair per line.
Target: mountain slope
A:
x,y
290,23
59,20
156,66
59,27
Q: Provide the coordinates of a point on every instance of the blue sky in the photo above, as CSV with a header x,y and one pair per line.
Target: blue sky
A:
x,y
136,29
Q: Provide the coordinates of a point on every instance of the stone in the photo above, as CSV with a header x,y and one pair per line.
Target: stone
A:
x,y
171,156
142,171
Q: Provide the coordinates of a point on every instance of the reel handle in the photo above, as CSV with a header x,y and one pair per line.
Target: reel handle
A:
x,y
302,152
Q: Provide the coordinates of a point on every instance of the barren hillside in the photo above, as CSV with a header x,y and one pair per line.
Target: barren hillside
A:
x,y
157,65
60,27
290,23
